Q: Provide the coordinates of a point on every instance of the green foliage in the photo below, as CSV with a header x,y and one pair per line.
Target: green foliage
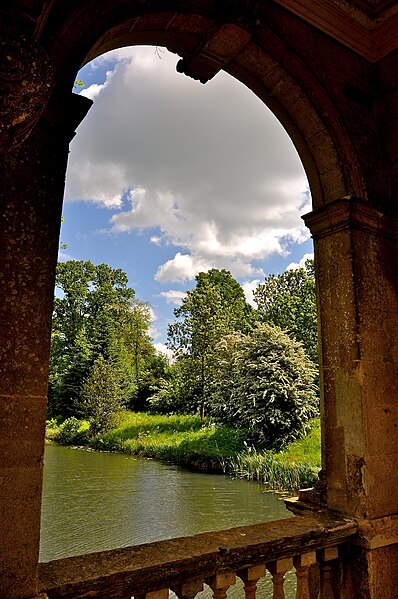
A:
x,y
289,301
185,440
308,448
202,444
102,397
153,377
72,432
70,363
264,382
179,393
296,467
52,429
274,472
214,308
95,313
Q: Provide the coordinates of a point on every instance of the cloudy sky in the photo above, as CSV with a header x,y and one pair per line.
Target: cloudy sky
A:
x,y
168,177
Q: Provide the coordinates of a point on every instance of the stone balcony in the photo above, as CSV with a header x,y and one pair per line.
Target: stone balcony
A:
x,y
315,546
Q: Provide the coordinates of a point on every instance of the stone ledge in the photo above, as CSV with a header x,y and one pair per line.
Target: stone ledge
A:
x,y
371,534
165,564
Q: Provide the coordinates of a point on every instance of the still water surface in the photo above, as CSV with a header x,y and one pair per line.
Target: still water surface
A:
x,y
97,501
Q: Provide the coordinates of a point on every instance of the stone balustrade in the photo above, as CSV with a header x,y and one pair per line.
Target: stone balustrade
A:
x,y
315,544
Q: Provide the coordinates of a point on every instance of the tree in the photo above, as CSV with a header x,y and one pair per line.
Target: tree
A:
x,y
215,307
178,392
154,378
95,313
102,397
264,382
288,300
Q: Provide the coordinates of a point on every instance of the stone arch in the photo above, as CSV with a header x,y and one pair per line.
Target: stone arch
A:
x,y
242,45
337,100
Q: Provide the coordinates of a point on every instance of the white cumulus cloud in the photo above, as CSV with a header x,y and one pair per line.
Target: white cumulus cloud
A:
x,y
207,166
173,296
301,263
248,288
182,267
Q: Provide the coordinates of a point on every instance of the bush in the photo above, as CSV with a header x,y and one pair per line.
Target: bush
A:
x,y
264,382
179,393
69,432
52,429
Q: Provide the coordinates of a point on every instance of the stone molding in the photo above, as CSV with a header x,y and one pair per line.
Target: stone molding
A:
x,y
371,533
351,213
374,534
373,37
147,568
221,48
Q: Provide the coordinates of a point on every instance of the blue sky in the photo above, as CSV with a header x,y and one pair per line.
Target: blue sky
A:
x,y
168,177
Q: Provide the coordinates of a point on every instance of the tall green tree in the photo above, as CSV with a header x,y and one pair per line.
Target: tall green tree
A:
x,y
95,313
288,300
215,307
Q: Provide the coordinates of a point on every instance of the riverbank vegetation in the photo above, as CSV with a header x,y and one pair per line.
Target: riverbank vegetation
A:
x,y
201,445
242,386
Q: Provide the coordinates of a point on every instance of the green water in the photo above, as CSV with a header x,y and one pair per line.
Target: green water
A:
x,y
97,501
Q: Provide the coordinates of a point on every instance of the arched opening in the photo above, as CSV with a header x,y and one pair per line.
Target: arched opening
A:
x,y
250,197
254,54
323,90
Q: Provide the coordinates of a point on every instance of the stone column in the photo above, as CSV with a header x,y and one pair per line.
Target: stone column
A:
x,y
356,262
31,191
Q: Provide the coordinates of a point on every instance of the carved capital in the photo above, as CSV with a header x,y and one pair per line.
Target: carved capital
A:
x,y
26,82
351,213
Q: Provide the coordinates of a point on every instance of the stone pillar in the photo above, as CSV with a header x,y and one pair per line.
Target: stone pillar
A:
x,y
31,191
356,262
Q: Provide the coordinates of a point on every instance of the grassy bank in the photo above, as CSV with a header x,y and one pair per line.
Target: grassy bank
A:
x,y
294,468
202,445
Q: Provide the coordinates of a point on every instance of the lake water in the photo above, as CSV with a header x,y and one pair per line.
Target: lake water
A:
x,y
96,501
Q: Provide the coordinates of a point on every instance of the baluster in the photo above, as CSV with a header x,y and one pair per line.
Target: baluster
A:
x,y
250,576
220,583
188,590
302,564
326,559
278,570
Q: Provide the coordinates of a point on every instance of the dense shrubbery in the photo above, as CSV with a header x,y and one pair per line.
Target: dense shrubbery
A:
x,y
264,382
102,397
70,432
288,300
97,314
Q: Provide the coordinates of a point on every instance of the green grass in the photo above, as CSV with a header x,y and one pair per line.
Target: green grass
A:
x,y
203,445
184,440
294,468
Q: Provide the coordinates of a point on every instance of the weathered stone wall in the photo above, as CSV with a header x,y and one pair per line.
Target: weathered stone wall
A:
x,y
31,191
340,111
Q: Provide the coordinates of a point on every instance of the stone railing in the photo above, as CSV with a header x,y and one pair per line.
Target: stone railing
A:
x,y
311,545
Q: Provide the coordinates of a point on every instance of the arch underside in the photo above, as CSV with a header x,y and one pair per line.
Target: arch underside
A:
x,y
248,50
